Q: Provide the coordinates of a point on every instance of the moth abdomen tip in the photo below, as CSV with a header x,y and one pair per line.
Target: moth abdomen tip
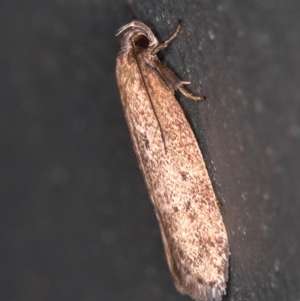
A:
x,y
203,292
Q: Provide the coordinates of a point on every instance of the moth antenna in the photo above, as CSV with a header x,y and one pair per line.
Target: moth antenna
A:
x,y
131,12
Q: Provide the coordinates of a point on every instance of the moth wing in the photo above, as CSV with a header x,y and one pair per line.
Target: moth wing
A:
x,y
192,229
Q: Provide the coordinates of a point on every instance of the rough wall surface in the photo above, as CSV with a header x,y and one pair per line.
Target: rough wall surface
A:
x,y
76,221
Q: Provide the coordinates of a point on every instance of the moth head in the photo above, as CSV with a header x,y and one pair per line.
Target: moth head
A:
x,y
137,35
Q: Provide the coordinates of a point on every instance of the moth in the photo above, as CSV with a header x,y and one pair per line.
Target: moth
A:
x,y
169,157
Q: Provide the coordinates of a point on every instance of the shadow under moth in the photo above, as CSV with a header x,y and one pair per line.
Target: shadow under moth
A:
x,y
169,157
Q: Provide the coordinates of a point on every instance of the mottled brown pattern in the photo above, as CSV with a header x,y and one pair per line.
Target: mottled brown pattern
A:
x,y
186,207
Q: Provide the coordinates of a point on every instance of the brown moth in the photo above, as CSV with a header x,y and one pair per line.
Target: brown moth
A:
x,y
180,189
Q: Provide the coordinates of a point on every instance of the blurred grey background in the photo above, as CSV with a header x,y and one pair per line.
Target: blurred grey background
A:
x,y
76,220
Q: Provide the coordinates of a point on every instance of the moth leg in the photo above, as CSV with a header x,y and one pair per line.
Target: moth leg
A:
x,y
187,93
164,44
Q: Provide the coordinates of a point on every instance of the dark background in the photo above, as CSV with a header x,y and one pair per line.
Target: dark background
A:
x,y
76,221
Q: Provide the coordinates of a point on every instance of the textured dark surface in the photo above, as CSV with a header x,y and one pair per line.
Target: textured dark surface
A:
x,y
76,222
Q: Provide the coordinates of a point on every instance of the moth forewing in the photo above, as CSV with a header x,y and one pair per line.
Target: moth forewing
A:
x,y
185,204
